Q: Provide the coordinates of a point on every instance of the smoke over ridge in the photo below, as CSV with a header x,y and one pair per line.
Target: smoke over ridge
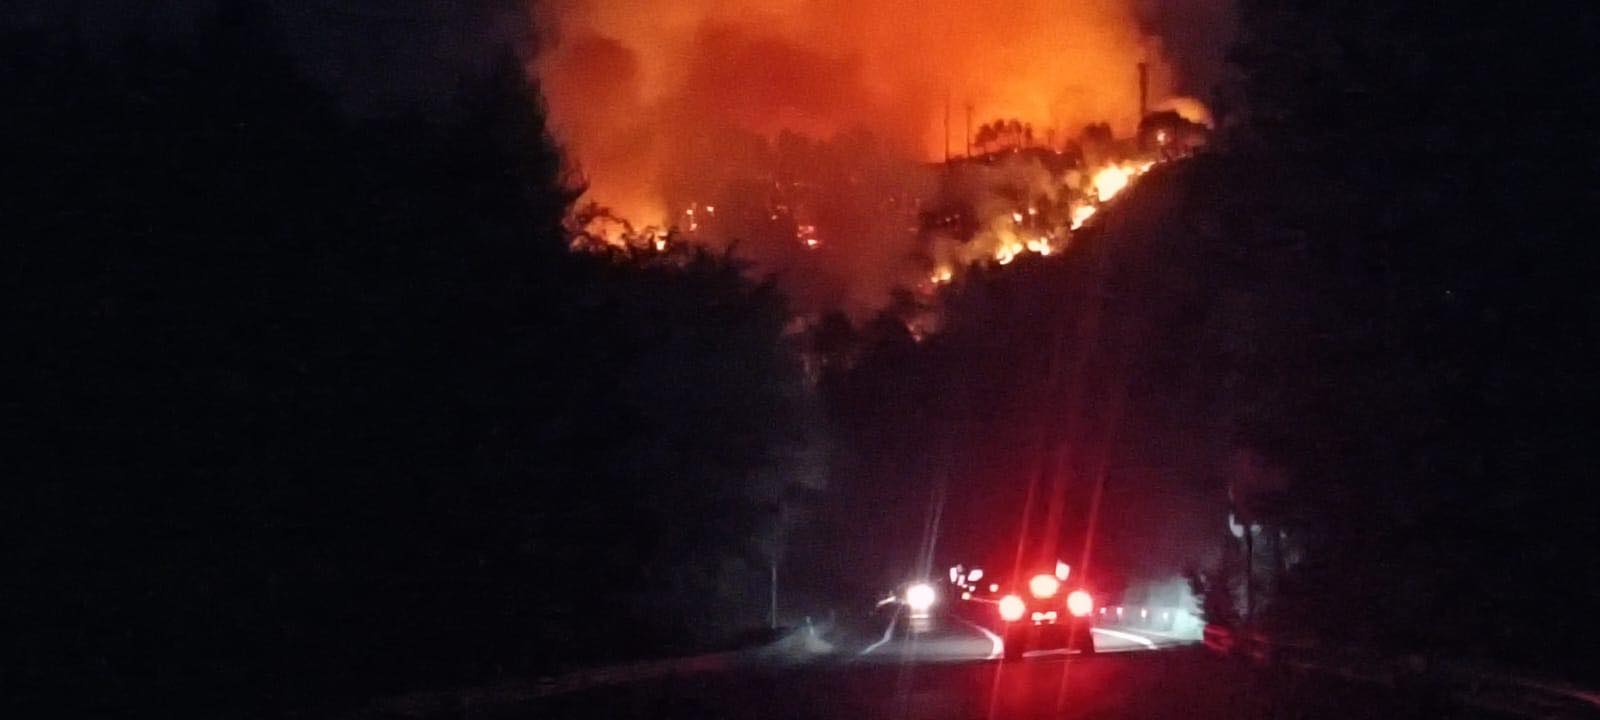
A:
x,y
762,106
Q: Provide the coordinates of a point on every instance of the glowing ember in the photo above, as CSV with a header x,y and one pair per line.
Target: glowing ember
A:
x,y
1039,245
942,275
807,235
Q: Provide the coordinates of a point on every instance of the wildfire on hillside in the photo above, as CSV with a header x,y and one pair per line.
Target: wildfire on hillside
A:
x,y
834,145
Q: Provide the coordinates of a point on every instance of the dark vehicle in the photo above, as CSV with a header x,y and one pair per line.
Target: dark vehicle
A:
x,y
1042,613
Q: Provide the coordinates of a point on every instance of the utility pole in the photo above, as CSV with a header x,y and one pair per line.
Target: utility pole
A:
x,y
772,612
1249,572
969,130
1144,90
947,126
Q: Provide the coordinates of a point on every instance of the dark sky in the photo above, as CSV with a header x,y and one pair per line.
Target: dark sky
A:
x,y
380,56
1195,34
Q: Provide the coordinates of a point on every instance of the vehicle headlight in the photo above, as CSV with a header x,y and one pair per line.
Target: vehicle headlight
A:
x,y
920,596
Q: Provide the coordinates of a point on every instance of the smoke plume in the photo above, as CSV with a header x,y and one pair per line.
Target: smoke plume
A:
x,y
808,126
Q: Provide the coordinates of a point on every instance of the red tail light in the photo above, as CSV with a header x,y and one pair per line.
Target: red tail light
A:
x,y
1044,586
1012,608
1079,603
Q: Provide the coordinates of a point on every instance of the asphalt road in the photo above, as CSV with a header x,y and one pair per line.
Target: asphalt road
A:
x,y
952,638
942,669
1180,683
948,668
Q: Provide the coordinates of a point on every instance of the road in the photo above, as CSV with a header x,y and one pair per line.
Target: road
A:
x,y
945,669
953,638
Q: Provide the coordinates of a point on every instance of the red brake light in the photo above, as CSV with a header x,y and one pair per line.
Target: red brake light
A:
x,y
1079,603
1044,586
1012,608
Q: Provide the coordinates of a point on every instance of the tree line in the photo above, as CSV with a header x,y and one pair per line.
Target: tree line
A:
x,y
312,408
1365,311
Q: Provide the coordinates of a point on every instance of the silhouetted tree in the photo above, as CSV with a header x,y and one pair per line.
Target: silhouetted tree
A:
x,y
985,137
319,407
1430,299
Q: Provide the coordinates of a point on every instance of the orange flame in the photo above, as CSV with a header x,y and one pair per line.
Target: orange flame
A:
x,y
663,104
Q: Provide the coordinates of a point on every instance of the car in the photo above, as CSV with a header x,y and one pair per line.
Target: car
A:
x,y
917,596
1042,613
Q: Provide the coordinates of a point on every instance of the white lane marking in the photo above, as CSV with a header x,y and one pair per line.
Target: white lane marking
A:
x,y
1170,636
997,647
1127,636
888,632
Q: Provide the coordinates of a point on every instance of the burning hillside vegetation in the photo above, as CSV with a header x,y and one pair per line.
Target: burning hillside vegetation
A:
x,y
838,146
